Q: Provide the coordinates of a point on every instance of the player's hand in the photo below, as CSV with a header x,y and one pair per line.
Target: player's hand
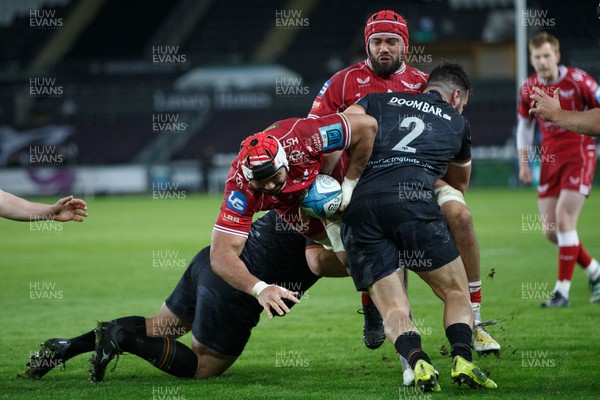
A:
x,y
69,209
348,186
543,105
271,298
525,174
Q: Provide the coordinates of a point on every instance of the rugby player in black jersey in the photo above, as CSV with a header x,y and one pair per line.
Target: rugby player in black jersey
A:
x,y
219,316
393,220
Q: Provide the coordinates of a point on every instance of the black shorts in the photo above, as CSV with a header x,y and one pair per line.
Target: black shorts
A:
x,y
221,316
382,234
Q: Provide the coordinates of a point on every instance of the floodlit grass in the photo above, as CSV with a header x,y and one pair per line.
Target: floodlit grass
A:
x,y
106,268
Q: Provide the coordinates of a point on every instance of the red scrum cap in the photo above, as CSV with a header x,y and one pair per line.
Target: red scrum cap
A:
x,y
261,156
386,22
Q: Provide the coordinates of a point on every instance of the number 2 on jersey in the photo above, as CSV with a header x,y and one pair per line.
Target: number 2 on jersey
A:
x,y
418,128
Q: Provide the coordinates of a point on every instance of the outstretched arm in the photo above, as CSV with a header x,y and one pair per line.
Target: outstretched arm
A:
x,y
548,108
225,261
65,209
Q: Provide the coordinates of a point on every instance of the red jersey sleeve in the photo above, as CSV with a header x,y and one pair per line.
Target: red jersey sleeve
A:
x,y
237,208
333,132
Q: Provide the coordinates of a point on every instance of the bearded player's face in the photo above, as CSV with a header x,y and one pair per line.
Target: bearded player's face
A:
x,y
386,53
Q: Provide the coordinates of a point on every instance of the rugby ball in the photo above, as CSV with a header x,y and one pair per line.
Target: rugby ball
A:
x,y
323,198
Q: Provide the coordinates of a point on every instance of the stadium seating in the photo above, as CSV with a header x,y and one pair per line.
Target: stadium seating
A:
x,y
112,88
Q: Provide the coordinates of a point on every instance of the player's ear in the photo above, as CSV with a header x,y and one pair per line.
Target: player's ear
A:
x,y
558,57
456,97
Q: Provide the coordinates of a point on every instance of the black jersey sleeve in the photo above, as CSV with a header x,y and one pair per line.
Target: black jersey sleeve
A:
x,y
364,103
465,150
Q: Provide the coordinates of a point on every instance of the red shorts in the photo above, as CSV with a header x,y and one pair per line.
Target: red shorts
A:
x,y
572,169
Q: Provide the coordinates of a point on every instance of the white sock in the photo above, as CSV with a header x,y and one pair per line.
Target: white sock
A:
x,y
568,238
593,270
404,361
563,287
476,313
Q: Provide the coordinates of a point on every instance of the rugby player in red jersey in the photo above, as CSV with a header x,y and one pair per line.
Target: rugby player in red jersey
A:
x,y
271,171
568,161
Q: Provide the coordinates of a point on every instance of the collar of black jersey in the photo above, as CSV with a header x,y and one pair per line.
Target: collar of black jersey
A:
x,y
433,91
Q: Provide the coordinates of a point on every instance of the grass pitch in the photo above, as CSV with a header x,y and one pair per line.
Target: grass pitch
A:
x,y
58,280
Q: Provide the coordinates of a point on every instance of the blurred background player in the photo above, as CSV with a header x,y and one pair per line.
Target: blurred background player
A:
x,y
394,222
385,70
548,108
18,209
220,317
568,162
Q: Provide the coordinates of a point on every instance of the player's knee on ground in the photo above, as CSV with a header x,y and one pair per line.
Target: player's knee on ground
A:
x,y
211,363
207,373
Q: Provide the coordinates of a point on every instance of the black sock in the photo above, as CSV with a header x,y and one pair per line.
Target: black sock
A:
x,y
134,324
80,344
165,353
459,336
87,342
408,345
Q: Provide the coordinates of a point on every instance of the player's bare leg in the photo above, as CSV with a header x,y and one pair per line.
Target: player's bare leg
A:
x,y
166,323
333,234
450,284
326,263
460,222
389,296
547,210
210,362
567,208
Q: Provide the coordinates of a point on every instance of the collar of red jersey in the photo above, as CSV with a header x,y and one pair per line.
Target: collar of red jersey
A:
x,y
562,72
398,71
